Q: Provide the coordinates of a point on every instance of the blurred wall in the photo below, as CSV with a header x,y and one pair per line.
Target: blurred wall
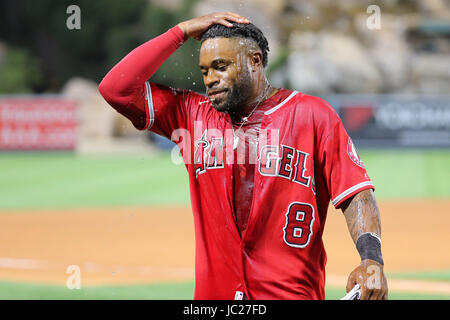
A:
x,y
318,47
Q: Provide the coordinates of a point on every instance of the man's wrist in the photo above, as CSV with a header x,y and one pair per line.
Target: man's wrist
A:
x,y
369,247
183,28
179,34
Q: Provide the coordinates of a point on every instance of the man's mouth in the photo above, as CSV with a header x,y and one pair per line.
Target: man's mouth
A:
x,y
217,94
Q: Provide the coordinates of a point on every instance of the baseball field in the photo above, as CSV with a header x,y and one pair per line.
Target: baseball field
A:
x,y
126,223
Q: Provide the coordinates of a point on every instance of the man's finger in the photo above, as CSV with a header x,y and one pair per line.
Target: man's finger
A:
x,y
235,20
350,284
365,292
378,292
372,292
237,16
225,22
375,294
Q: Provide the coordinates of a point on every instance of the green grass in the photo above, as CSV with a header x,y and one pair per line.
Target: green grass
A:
x,y
337,293
52,180
438,275
409,173
64,180
163,291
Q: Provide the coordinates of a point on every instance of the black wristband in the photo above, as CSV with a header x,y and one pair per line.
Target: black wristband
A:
x,y
369,247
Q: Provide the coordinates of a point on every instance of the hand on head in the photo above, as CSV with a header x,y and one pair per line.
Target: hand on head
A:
x,y
194,28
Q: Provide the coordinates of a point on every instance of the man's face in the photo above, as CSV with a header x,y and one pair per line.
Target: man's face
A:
x,y
225,69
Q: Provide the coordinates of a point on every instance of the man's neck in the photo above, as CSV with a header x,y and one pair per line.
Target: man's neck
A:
x,y
264,93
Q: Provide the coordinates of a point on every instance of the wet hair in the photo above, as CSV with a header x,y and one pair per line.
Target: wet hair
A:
x,y
239,30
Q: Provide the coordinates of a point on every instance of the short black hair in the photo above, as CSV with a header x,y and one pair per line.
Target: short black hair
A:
x,y
241,30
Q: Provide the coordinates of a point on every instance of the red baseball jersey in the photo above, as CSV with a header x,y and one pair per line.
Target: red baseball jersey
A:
x,y
304,158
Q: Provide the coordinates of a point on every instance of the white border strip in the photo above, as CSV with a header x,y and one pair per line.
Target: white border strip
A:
x,y
93,267
23,264
350,190
151,111
281,104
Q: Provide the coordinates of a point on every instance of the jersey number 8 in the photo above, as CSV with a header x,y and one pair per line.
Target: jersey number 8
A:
x,y
299,224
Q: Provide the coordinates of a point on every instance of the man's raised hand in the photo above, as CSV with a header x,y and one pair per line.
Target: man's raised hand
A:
x,y
194,28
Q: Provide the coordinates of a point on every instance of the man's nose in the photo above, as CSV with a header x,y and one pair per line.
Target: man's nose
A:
x,y
211,79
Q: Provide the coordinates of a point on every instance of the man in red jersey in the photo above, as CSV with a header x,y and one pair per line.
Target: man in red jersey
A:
x,y
263,165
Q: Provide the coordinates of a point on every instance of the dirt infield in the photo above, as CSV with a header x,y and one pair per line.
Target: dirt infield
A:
x,y
141,245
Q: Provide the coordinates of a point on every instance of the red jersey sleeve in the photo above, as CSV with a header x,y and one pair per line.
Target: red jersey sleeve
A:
x,y
163,109
343,170
168,109
148,106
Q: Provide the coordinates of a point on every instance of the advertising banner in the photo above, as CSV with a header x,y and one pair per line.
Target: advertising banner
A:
x,y
395,120
37,123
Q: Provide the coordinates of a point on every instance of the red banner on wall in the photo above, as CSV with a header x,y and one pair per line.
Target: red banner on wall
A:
x,y
37,123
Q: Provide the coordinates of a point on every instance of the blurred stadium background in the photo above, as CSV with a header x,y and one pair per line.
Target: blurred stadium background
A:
x,y
80,186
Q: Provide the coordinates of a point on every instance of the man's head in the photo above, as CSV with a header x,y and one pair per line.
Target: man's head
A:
x,y
232,61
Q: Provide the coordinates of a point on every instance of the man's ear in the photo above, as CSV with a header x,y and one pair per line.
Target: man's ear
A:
x,y
256,60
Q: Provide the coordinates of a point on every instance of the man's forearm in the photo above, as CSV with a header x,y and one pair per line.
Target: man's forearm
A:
x,y
363,221
362,215
139,65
